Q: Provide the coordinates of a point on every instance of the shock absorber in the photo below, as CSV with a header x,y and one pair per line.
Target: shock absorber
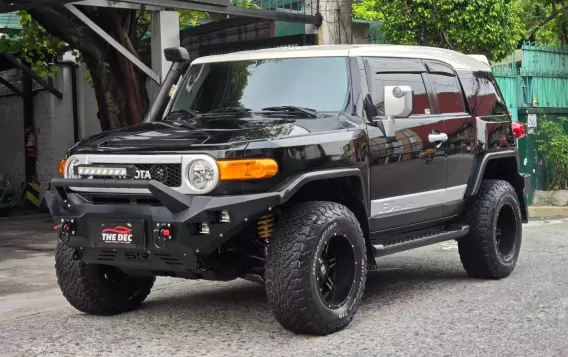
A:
x,y
265,226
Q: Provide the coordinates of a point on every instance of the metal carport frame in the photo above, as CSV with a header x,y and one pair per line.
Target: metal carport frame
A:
x,y
216,6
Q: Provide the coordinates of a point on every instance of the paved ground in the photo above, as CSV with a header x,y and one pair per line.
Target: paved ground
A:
x,y
420,303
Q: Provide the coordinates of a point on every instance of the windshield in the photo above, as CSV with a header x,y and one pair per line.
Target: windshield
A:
x,y
319,83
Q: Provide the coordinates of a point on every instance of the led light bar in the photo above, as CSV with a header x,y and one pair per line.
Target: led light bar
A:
x,y
102,171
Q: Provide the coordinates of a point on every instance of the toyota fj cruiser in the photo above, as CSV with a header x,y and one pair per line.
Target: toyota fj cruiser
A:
x,y
295,168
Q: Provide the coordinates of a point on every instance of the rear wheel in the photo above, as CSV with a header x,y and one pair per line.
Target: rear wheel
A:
x,y
492,248
98,289
316,268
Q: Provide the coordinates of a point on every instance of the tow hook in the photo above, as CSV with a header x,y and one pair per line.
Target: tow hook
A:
x,y
162,234
64,231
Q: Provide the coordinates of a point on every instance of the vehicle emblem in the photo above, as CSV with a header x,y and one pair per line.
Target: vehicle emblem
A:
x,y
142,175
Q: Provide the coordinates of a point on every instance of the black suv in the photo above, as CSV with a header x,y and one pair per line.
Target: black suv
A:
x,y
295,168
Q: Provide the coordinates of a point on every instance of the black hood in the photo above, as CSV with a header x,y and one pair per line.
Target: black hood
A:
x,y
222,130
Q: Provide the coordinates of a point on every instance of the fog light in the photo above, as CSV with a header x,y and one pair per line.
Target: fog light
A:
x,y
204,228
225,217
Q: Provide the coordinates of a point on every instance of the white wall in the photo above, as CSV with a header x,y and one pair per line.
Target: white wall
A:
x,y
86,106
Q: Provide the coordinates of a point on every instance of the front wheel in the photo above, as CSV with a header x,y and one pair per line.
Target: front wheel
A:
x,y
98,289
492,248
316,268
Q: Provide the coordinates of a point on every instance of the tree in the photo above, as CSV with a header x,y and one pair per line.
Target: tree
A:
x,y
120,88
491,27
545,21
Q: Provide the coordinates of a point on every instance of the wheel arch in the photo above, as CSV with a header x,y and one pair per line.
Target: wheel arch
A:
x,y
501,165
344,186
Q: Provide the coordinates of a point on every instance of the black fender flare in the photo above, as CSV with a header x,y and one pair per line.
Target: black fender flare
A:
x,y
521,181
477,174
290,186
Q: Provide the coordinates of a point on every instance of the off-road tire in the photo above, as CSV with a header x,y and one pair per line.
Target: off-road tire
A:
x,y
301,235
479,251
87,289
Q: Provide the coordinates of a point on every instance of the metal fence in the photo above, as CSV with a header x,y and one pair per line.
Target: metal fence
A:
x,y
535,76
534,82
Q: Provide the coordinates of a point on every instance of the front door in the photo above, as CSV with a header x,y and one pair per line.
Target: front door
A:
x,y
458,126
408,175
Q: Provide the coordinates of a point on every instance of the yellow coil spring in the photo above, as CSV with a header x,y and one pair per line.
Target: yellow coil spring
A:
x,y
265,226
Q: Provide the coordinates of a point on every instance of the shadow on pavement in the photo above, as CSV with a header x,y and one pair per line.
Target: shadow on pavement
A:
x,y
229,306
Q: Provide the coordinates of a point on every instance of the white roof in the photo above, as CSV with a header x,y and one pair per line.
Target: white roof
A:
x,y
455,59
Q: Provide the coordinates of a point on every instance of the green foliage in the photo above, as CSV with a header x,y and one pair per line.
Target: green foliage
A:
x,y
34,46
553,147
245,3
545,21
492,27
369,10
39,49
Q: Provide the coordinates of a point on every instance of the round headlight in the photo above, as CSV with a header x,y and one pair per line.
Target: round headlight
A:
x,y
201,175
71,169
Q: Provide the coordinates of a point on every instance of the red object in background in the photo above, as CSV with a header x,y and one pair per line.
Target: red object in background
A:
x,y
30,144
518,130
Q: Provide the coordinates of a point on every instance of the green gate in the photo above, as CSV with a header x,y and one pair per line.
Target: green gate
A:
x,y
534,82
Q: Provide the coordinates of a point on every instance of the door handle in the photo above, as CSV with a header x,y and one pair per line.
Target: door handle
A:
x,y
434,138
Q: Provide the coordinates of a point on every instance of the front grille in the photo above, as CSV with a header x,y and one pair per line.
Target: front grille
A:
x,y
168,174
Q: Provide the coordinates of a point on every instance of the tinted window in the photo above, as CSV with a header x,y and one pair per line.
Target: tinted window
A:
x,y
318,83
482,94
439,68
448,94
414,80
394,65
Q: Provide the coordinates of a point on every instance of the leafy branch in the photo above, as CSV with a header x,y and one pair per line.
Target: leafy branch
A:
x,y
553,147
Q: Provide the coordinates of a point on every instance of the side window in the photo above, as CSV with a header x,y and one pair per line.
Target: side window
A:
x,y
414,80
448,93
482,93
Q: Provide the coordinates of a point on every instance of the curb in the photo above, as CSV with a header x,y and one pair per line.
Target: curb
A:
x,y
548,211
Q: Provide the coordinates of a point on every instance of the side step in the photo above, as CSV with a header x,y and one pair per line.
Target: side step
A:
x,y
400,245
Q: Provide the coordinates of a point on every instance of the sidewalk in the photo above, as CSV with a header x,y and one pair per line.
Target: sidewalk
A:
x,y
555,212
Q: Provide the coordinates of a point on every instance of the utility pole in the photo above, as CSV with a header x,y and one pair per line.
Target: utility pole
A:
x,y
336,21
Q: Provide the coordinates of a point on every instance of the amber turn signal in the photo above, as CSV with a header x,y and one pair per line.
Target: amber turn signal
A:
x,y
252,169
61,165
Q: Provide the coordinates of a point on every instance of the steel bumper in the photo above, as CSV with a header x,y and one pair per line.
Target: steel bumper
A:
x,y
182,214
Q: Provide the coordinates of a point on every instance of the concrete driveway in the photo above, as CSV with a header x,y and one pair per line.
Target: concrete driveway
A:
x,y
419,303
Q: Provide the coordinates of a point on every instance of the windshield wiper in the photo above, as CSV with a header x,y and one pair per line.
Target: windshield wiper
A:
x,y
183,113
228,110
291,109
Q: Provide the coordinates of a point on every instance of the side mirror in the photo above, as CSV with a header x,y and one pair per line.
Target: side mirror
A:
x,y
176,54
397,104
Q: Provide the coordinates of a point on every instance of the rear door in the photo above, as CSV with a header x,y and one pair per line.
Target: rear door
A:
x,y
458,126
408,177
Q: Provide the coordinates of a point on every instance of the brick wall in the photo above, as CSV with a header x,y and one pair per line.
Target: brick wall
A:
x,y
12,150
53,119
53,126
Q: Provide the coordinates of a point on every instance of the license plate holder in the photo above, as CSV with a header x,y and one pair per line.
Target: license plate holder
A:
x,y
117,233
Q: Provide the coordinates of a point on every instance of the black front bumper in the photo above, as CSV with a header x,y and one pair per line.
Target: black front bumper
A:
x,y
187,249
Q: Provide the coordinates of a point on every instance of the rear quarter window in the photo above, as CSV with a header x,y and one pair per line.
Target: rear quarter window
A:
x,y
482,92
